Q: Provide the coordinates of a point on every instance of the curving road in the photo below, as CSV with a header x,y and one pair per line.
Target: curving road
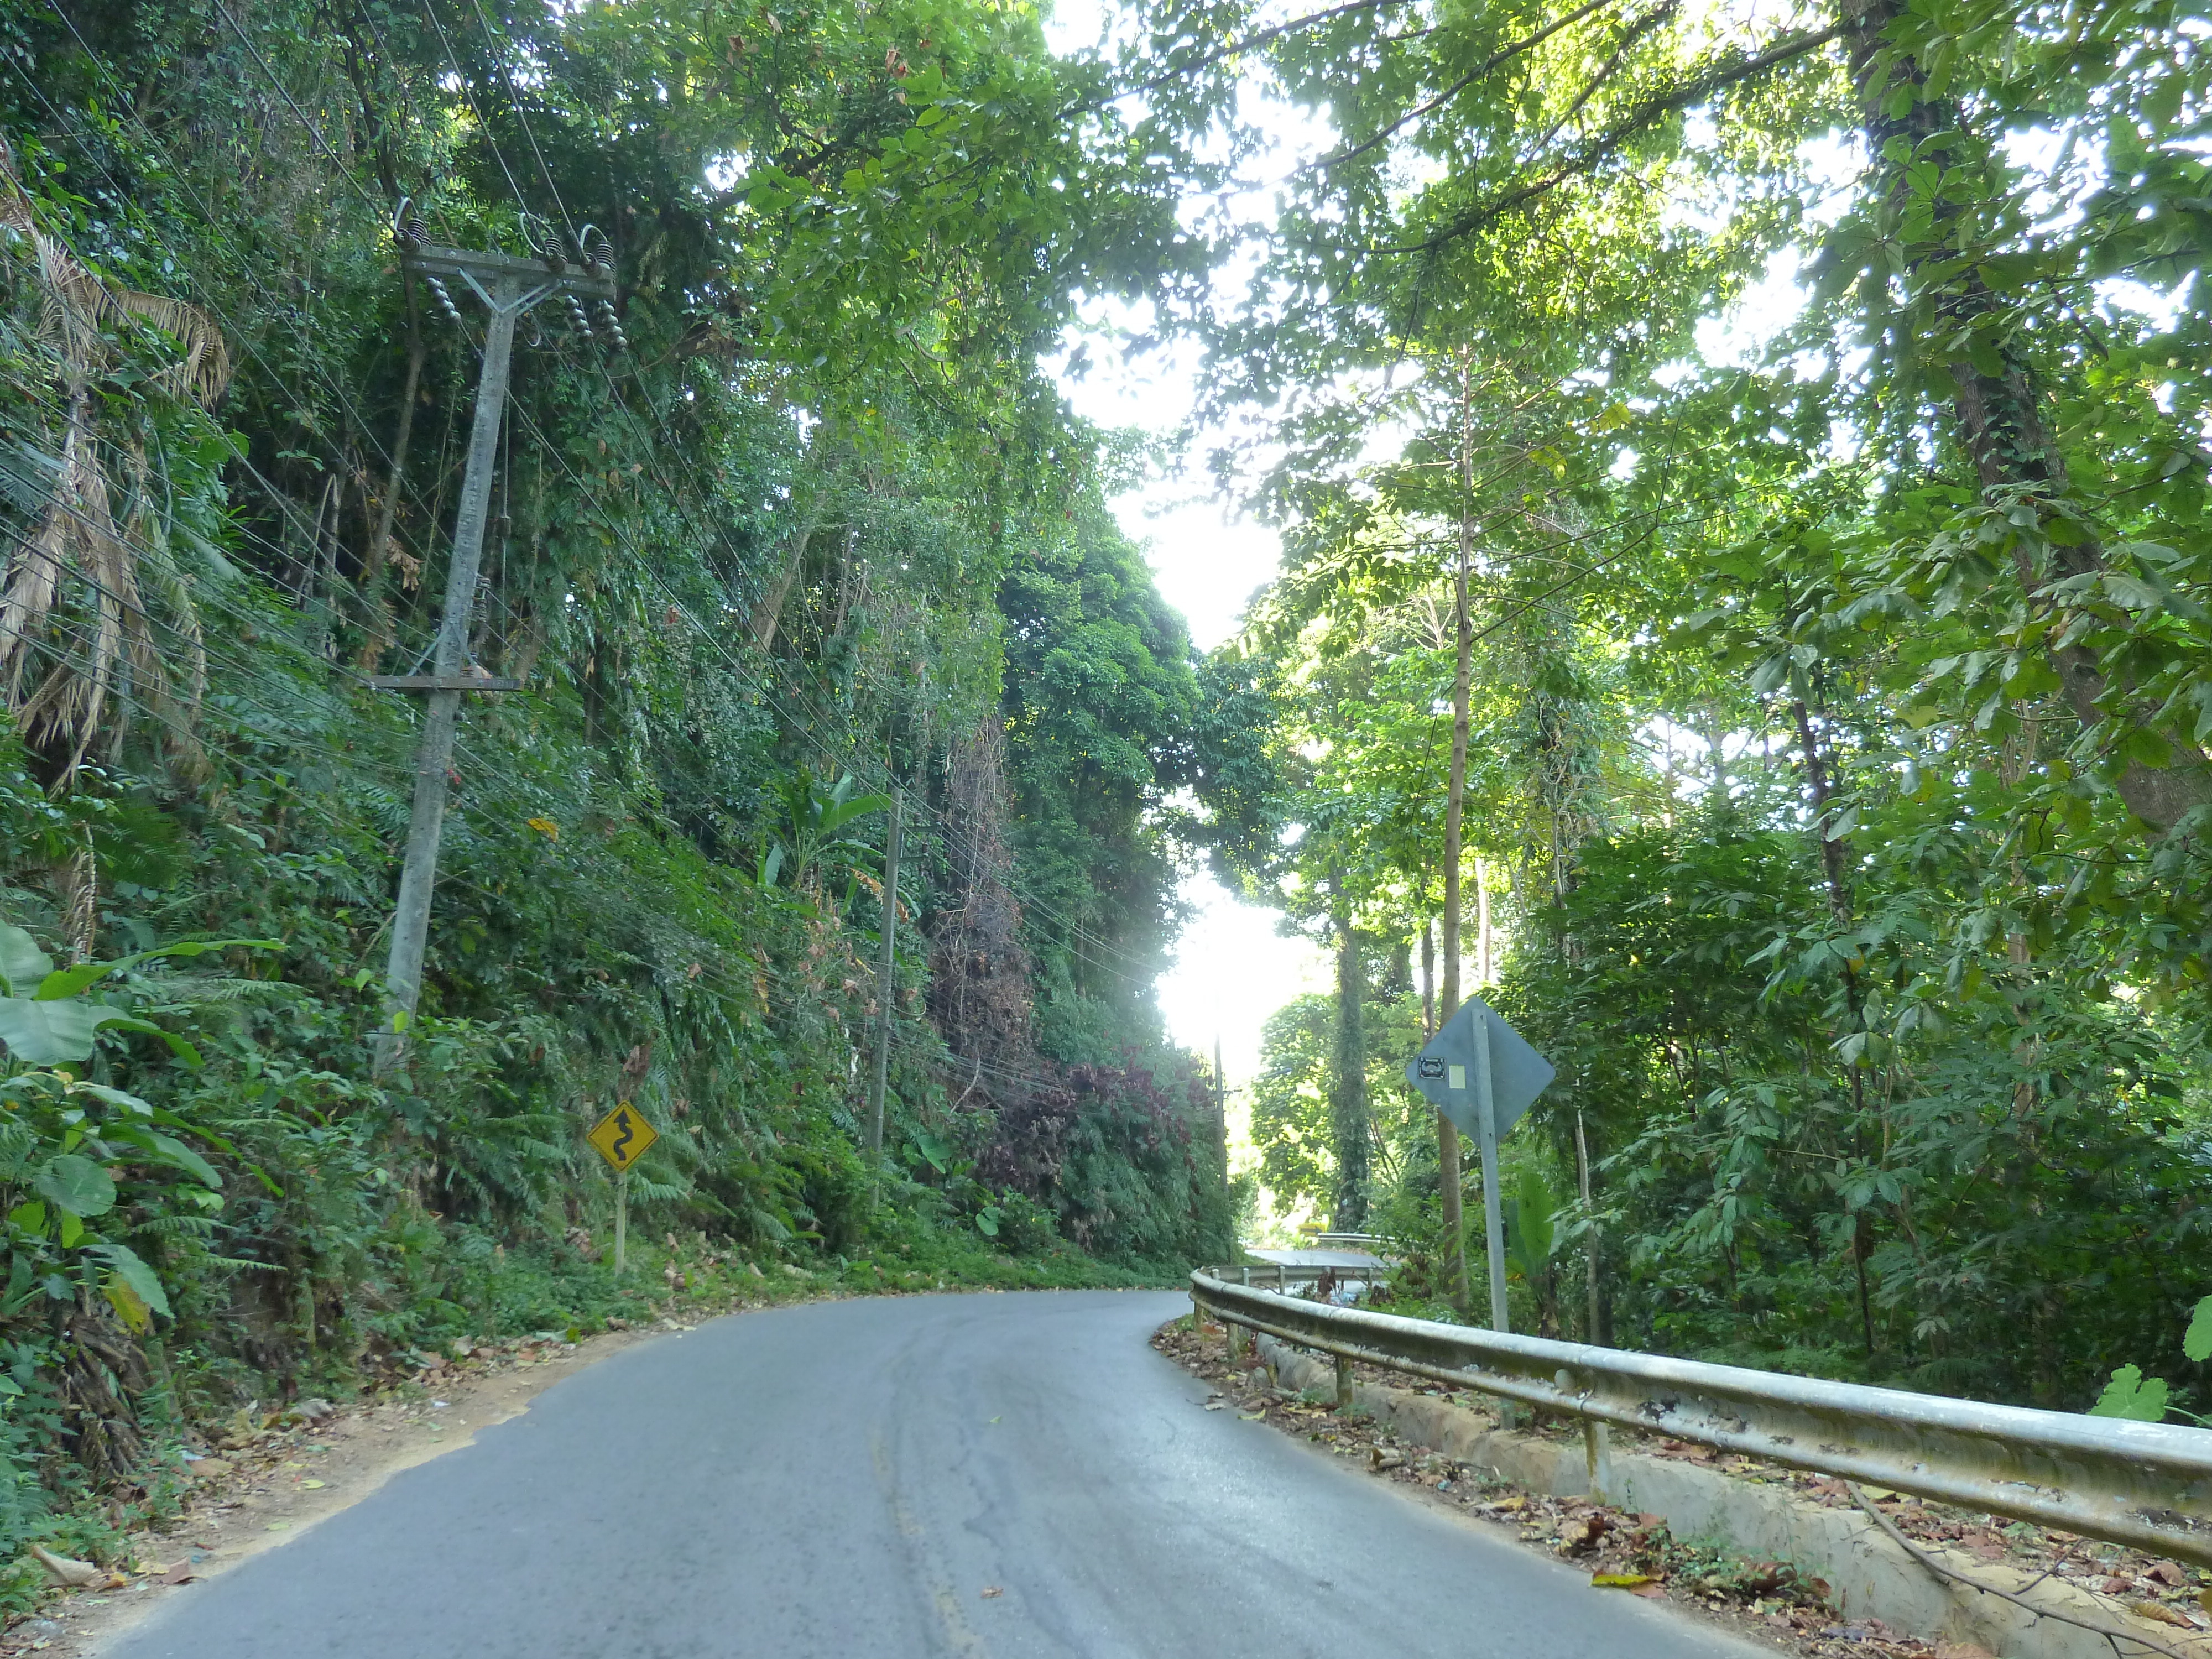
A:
x,y
847,1479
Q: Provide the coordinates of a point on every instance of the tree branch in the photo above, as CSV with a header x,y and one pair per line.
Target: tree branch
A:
x,y
2110,1631
1636,31
1502,55
1613,137
1310,21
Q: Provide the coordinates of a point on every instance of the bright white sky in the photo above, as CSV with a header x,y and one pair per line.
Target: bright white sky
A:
x,y
1232,967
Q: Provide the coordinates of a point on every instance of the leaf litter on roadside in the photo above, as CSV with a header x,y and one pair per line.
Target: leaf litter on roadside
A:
x,y
1622,1551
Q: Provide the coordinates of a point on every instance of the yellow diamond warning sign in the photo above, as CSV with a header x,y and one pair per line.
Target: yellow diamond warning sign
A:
x,y
622,1136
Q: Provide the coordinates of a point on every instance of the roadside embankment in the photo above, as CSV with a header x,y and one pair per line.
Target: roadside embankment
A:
x,y
1814,1565
1953,1582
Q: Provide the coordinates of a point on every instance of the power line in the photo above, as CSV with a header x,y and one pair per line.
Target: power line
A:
x,y
461,81
678,498
1077,936
345,172
245,337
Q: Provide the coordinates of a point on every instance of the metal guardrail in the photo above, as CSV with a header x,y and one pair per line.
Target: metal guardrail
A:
x,y
1374,1241
1281,1277
2148,1486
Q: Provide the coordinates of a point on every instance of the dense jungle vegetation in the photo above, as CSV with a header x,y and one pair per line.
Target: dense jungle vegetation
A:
x,y
812,531
1764,454
1743,479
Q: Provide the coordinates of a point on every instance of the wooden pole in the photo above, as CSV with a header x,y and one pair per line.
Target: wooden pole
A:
x,y
433,758
1595,1330
886,987
508,287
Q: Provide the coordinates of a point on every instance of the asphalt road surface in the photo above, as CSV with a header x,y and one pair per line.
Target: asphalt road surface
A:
x,y
852,1479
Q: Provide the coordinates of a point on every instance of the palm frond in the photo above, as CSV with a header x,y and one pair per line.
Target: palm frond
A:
x,y
76,635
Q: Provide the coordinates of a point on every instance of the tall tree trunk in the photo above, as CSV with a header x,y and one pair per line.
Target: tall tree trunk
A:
x,y
1428,979
1600,1327
767,613
1485,958
1349,1116
1462,1296
2000,427
1835,859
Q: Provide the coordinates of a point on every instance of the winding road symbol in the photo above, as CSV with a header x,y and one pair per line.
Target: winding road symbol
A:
x,y
622,1137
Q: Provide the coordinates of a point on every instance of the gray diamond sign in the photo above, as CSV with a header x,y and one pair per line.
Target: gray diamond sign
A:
x,y
1445,1070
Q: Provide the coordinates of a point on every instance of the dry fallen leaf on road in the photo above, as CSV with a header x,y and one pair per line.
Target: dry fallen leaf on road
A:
x,y
990,1590
2158,1612
64,1569
1582,1534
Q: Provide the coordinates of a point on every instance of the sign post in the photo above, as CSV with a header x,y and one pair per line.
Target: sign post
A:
x,y
1481,1073
1494,1208
621,1138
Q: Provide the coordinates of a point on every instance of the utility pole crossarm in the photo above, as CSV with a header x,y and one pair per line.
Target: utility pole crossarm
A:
x,y
471,266
442,683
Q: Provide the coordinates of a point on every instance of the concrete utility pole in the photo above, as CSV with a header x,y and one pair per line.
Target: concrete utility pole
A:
x,y
1220,1108
508,287
886,984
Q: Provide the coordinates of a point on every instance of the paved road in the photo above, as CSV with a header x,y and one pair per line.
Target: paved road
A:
x,y
845,1480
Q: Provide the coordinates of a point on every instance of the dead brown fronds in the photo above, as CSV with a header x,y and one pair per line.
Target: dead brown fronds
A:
x,y
75,627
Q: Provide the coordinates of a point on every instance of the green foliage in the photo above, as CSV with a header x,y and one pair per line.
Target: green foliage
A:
x,y
1531,1227
824,519
55,1023
1836,711
811,832
1099,704
2129,1395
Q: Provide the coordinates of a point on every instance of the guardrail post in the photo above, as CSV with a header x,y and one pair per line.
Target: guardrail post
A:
x,y
1597,1454
1343,1383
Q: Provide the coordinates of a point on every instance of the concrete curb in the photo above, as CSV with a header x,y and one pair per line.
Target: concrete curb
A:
x,y
1873,1576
